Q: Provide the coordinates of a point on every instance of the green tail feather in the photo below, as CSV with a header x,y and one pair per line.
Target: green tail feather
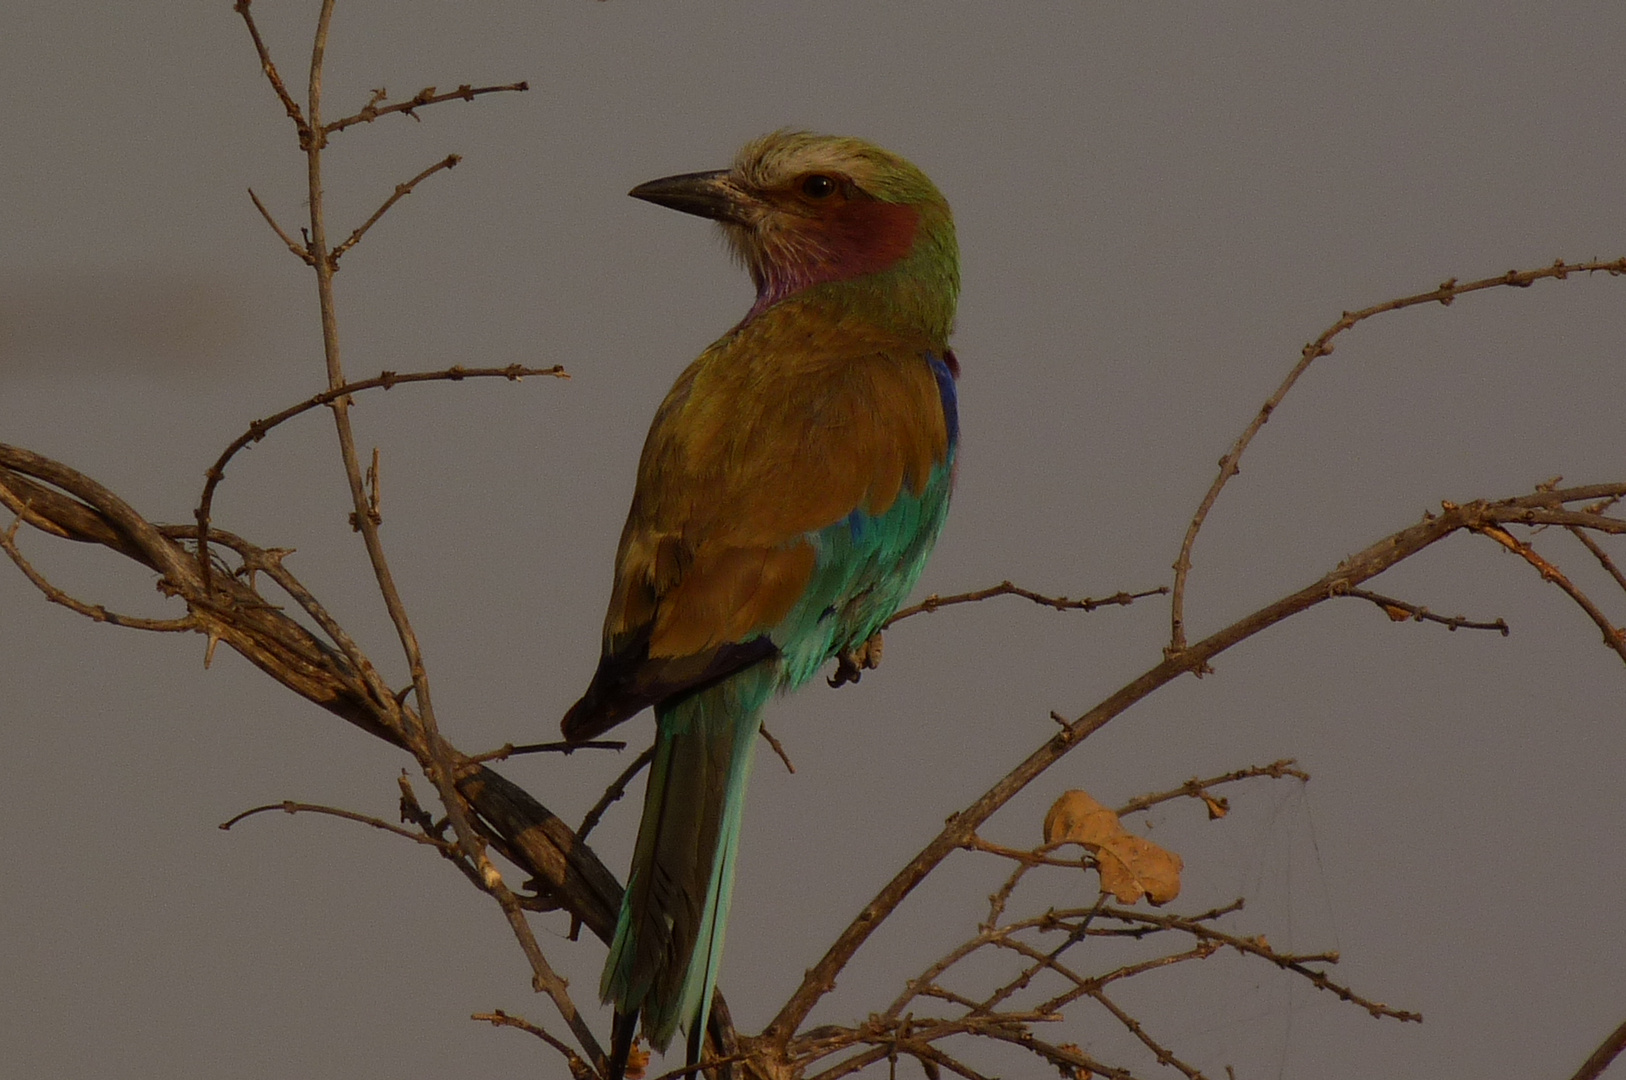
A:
x,y
669,940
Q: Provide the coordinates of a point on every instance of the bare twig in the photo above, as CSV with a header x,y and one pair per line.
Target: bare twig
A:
x,y
1256,946
271,75
1199,789
1606,1052
1005,588
288,806
617,788
566,748
386,380
427,96
401,191
8,542
1163,1054
299,250
1401,611
1600,554
1448,291
1612,635
1039,856
778,748
579,1069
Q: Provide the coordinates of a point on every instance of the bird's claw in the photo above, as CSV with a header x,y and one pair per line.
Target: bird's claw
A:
x,y
851,665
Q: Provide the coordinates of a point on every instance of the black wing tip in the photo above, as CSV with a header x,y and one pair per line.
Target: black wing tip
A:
x,y
623,687
591,717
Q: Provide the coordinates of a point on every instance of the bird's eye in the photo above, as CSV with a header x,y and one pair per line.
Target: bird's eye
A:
x,y
818,186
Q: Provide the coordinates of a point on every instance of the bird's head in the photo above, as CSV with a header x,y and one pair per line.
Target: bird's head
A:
x,y
803,210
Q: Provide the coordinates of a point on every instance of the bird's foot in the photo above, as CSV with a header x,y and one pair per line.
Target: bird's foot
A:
x,y
851,665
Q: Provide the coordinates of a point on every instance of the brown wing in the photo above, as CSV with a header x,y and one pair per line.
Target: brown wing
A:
x,y
777,431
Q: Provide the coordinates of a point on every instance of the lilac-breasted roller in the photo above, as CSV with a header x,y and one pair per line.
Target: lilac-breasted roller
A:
x,y
790,490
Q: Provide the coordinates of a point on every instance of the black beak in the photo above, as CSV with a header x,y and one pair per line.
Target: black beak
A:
x,y
705,194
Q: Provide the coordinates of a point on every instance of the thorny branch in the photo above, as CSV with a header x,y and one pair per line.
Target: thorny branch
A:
x,y
96,612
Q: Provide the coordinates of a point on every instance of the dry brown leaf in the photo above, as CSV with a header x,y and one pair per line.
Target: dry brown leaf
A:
x,y
637,1062
1131,866
1077,818
1396,614
1218,806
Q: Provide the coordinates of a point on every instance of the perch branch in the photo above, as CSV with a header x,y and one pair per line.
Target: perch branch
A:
x,y
1005,588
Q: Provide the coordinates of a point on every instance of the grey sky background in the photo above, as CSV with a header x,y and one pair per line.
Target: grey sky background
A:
x,y
1157,206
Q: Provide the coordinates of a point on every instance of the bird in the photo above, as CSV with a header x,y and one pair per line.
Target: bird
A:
x,y
790,490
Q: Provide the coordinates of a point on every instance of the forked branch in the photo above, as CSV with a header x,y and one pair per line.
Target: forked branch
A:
x,y
1542,507
1447,292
